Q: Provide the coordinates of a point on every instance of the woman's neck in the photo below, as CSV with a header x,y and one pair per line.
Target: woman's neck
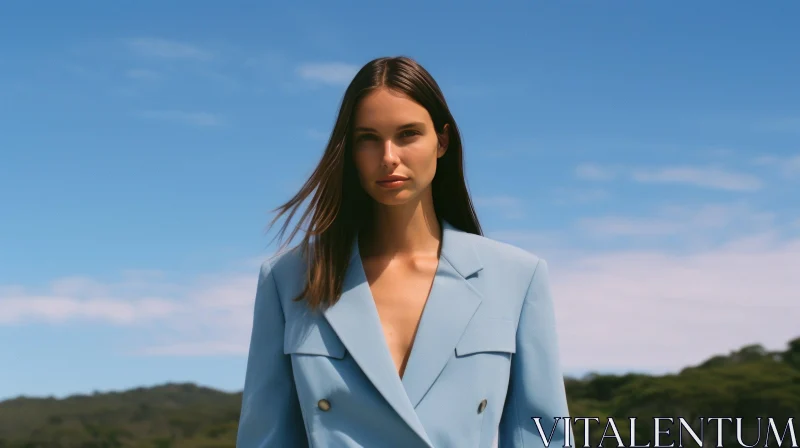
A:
x,y
403,230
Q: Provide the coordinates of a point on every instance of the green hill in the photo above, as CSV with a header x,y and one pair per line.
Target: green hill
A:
x,y
748,383
172,415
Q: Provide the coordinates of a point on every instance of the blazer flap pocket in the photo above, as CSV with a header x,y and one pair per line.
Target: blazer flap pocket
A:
x,y
488,335
312,338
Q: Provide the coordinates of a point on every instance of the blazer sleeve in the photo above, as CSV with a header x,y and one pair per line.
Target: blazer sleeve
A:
x,y
536,386
270,414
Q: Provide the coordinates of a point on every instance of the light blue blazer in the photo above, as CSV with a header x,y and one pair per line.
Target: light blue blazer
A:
x,y
484,363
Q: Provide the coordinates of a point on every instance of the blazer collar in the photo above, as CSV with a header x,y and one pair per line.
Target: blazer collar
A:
x,y
451,304
457,248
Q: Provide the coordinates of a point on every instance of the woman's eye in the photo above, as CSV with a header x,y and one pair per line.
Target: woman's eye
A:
x,y
403,134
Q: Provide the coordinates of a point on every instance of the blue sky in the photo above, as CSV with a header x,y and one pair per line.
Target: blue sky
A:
x,y
649,150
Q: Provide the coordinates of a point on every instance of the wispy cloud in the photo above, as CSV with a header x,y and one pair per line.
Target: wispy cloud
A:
x,y
746,287
727,297
51,308
793,164
744,284
626,226
203,316
203,348
595,172
166,49
701,177
333,73
690,222
789,166
705,177
200,119
80,298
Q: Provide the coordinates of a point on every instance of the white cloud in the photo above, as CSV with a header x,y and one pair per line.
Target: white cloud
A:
x,y
626,226
334,73
24,307
686,221
166,49
658,311
195,349
701,177
725,279
139,297
789,165
793,164
765,160
706,177
205,316
199,119
595,172
617,310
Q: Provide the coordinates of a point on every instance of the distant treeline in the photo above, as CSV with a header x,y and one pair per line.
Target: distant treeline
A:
x,y
749,383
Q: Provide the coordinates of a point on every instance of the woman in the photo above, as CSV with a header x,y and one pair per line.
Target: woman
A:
x,y
395,323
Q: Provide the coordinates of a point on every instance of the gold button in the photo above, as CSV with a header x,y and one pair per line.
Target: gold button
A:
x,y
324,404
482,406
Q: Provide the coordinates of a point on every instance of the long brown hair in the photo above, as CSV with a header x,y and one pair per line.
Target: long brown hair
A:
x,y
339,207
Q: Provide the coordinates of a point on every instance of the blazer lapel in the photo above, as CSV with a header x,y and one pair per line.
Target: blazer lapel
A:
x,y
355,320
451,304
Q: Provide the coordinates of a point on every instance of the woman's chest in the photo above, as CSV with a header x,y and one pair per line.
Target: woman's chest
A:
x,y
400,292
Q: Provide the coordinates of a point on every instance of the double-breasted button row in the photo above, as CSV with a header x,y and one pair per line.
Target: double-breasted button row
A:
x,y
325,405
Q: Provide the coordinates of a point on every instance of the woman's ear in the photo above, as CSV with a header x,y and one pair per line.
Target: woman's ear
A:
x,y
444,141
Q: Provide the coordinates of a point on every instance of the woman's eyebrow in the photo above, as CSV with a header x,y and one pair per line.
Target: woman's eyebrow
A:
x,y
405,126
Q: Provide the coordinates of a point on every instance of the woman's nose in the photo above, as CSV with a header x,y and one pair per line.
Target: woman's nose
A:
x,y
389,154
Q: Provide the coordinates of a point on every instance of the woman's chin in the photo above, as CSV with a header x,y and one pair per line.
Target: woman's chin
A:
x,y
392,198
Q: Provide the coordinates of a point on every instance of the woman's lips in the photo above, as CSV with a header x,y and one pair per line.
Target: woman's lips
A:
x,y
392,182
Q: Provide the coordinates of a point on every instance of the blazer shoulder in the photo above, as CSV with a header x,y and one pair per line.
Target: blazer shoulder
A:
x,y
497,252
284,263
287,270
509,269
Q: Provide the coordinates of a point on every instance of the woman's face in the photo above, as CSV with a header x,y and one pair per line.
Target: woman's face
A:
x,y
395,147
